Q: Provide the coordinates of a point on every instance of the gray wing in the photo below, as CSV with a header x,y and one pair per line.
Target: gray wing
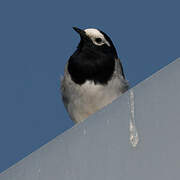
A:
x,y
63,88
68,88
120,73
120,67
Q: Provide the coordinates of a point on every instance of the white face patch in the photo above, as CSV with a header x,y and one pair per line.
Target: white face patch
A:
x,y
96,36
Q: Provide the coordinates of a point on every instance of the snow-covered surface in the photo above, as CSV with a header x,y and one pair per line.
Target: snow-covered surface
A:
x,y
99,148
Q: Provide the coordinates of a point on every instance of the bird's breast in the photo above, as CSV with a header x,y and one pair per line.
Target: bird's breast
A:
x,y
91,65
90,97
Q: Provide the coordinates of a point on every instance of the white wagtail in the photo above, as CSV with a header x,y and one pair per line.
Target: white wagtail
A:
x,y
93,76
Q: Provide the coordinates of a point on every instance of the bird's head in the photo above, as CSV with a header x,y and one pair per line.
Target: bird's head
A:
x,y
97,40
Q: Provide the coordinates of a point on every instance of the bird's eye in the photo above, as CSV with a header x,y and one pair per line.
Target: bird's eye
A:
x,y
98,40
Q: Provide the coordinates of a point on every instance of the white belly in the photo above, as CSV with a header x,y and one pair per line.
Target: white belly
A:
x,y
89,97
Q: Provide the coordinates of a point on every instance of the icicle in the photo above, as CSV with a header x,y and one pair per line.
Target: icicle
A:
x,y
85,131
134,139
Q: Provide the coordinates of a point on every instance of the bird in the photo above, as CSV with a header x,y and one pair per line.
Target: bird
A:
x,y
93,76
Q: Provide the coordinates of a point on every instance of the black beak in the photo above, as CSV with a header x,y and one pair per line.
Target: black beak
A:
x,y
80,31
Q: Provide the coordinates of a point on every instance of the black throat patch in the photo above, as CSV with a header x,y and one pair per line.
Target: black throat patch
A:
x,y
88,63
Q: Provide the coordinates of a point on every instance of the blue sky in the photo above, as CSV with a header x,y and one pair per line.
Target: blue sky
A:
x,y
36,40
